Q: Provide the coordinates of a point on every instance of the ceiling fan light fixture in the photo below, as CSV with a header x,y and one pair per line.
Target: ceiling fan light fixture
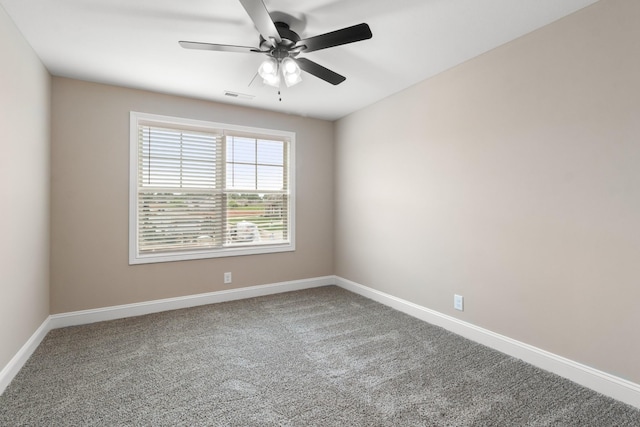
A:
x,y
291,72
289,66
269,72
268,69
292,79
272,81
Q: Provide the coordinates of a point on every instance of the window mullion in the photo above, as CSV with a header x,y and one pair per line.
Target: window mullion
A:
x,y
255,154
223,186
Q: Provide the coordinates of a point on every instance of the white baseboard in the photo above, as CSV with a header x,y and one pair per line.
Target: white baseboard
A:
x,y
138,309
17,362
607,384
594,379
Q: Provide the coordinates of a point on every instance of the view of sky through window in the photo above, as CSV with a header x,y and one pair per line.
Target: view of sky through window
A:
x,y
254,164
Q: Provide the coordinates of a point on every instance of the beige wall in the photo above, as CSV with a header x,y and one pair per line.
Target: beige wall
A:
x,y
514,180
24,191
89,194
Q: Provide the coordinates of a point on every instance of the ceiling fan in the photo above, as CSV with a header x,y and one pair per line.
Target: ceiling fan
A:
x,y
282,47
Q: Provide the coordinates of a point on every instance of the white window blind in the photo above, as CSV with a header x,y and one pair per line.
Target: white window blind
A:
x,y
203,190
179,189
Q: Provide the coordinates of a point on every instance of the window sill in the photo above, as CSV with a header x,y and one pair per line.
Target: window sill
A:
x,y
209,253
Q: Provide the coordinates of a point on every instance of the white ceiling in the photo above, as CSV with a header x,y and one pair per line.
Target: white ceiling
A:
x,y
135,44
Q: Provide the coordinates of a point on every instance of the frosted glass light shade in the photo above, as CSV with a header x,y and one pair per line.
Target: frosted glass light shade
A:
x,y
269,72
291,72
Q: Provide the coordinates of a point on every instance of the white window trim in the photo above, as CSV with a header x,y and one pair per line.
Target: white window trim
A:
x,y
135,257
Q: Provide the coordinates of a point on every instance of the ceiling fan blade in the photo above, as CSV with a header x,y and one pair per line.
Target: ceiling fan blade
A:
x,y
319,71
347,35
260,16
219,47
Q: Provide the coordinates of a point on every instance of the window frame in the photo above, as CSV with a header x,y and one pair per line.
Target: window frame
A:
x,y
139,118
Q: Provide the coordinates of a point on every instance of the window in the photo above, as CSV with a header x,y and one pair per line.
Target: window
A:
x,y
202,190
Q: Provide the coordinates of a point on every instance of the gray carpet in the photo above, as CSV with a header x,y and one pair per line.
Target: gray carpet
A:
x,y
319,357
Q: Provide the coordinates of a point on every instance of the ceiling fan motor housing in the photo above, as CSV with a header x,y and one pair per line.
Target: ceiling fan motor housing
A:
x,y
284,48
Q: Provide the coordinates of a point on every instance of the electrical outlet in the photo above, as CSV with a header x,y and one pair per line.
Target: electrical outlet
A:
x,y
227,278
458,302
